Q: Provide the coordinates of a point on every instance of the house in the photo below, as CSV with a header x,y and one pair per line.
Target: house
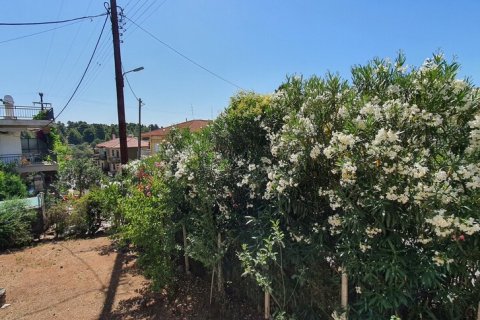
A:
x,y
107,154
156,137
25,141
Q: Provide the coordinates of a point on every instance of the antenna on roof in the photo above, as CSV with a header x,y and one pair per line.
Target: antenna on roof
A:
x,y
41,100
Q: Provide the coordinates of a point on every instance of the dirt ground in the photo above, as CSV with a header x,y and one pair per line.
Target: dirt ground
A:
x,y
90,279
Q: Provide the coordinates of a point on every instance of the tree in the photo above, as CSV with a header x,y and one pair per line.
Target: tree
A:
x,y
88,135
82,126
152,127
74,137
80,175
99,131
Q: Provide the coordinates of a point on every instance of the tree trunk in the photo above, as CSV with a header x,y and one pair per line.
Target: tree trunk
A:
x,y
267,305
187,263
344,290
219,268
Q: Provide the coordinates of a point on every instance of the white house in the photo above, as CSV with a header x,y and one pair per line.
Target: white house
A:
x,y
28,155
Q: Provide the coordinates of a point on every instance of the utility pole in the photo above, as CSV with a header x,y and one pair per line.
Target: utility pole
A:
x,y
122,127
139,128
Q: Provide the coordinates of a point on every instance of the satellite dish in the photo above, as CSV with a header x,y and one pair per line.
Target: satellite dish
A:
x,y
8,99
8,102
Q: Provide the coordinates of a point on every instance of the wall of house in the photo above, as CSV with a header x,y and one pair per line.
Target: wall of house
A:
x,y
154,141
10,143
132,153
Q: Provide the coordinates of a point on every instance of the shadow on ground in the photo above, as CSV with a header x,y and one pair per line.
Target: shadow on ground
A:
x,y
189,300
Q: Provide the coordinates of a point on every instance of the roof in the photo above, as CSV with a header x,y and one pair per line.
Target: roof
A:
x,y
192,125
115,143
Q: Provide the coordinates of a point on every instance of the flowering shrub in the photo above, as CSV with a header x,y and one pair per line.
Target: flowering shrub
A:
x,y
378,178
398,159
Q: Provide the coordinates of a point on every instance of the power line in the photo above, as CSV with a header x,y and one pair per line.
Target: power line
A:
x,y
86,69
185,57
152,11
37,33
67,55
49,22
133,92
47,58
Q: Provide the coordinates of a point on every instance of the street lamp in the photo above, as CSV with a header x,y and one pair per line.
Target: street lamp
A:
x,y
133,70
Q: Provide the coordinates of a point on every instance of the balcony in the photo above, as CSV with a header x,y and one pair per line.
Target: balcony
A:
x,y
30,162
100,156
25,117
114,159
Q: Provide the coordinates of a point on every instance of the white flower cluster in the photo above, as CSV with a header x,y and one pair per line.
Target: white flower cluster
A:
x,y
440,259
373,231
335,222
339,143
474,135
444,226
348,173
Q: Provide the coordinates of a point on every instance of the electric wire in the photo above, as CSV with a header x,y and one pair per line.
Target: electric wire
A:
x,y
37,33
185,57
140,8
133,92
66,57
99,65
153,11
47,58
80,55
146,18
86,69
49,22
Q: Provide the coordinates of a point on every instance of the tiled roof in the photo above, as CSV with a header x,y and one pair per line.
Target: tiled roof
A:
x,y
192,125
115,143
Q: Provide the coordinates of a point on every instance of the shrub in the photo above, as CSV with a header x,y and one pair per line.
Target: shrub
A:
x,y
86,215
11,186
378,178
57,216
148,224
15,224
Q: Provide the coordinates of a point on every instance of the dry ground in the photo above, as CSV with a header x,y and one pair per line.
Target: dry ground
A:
x,y
88,279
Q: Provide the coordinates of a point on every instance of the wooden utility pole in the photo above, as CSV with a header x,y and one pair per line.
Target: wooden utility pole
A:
x,y
122,127
139,128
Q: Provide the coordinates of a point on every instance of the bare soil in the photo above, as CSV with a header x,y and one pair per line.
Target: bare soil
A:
x,y
91,279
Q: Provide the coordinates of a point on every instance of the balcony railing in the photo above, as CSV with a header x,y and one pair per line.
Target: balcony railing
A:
x,y
26,113
26,159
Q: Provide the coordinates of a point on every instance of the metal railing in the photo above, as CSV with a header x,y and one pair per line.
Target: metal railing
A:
x,y
25,159
26,113
14,159
99,156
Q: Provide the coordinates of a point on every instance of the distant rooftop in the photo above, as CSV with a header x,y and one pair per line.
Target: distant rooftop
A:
x,y
192,125
132,142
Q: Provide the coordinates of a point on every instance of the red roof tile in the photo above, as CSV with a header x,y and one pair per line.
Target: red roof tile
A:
x,y
115,143
192,125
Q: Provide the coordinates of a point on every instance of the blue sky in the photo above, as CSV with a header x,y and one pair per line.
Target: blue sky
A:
x,y
254,44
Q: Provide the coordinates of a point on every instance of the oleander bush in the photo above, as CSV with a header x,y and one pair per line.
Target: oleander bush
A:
x,y
377,177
